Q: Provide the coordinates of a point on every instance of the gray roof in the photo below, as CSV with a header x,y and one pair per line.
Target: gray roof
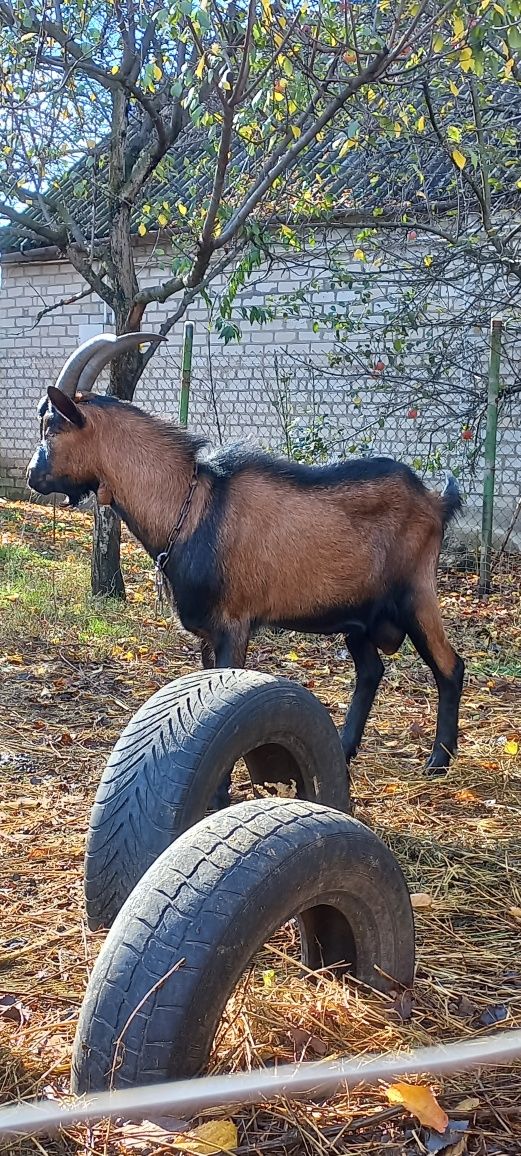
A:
x,y
385,175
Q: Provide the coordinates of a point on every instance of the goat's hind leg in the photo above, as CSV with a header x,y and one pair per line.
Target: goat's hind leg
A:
x,y
369,669
427,634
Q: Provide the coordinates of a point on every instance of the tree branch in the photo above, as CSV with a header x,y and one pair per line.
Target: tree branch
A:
x,y
33,226
96,282
192,292
59,304
288,159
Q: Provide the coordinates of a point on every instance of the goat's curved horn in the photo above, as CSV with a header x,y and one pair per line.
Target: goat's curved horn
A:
x,y
103,355
67,380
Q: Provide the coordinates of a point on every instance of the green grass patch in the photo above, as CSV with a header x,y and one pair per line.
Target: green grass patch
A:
x,y
501,667
39,591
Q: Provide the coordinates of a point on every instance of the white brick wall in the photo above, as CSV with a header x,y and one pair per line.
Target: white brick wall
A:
x,y
244,380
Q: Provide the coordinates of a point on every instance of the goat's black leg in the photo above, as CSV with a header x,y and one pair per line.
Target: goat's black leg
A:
x,y
230,647
207,655
369,670
425,630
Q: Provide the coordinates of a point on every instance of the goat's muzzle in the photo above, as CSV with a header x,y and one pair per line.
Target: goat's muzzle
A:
x,y
38,476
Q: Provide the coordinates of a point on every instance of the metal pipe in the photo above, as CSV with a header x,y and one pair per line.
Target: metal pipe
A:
x,y
489,479
186,373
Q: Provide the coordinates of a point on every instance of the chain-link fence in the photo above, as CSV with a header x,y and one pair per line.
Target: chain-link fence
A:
x,y
307,409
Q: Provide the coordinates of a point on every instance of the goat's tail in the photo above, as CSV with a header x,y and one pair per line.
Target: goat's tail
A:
x,y
451,500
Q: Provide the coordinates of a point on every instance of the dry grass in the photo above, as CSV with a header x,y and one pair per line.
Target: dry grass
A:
x,y
73,673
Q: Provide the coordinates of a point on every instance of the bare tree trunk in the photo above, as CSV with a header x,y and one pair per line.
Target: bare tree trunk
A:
x,y
106,576
125,372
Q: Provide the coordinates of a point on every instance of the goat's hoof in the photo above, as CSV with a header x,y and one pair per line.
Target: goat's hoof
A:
x,y
434,769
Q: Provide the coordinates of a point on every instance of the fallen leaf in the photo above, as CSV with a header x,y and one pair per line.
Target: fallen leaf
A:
x,y
268,977
214,1136
512,979
403,1005
463,1007
141,1137
416,731
292,656
467,1105
510,747
458,1148
304,1040
452,1142
421,1103
13,1011
495,1014
421,900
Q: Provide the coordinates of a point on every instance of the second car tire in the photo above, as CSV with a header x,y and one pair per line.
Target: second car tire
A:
x,y
196,919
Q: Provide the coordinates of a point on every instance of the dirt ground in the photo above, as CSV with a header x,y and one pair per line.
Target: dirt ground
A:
x,y
73,672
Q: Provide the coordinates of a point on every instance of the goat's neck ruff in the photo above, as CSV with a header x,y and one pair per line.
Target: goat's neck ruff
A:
x,y
148,473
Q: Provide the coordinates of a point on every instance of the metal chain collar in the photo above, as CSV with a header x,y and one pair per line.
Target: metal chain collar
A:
x,y
163,558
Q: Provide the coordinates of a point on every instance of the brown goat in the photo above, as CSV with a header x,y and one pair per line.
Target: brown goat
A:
x,y
350,548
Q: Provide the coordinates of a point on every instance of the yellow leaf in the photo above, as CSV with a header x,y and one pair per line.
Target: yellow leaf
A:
x,y
200,68
453,88
439,43
511,747
141,229
466,60
162,220
420,125
214,1136
182,208
458,27
421,1103
157,72
278,96
459,159
420,901
293,656
147,209
266,8
268,977
427,261
518,184
515,912
114,69
359,255
296,131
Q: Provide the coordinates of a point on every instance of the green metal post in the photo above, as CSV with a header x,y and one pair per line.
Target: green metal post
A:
x,y
186,372
490,456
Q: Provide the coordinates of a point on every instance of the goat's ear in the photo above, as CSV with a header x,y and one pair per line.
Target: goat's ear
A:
x,y
65,406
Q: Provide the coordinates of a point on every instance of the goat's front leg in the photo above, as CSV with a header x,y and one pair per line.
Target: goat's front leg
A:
x,y
207,655
230,645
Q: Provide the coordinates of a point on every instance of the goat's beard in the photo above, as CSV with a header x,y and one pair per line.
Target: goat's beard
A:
x,y
74,494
